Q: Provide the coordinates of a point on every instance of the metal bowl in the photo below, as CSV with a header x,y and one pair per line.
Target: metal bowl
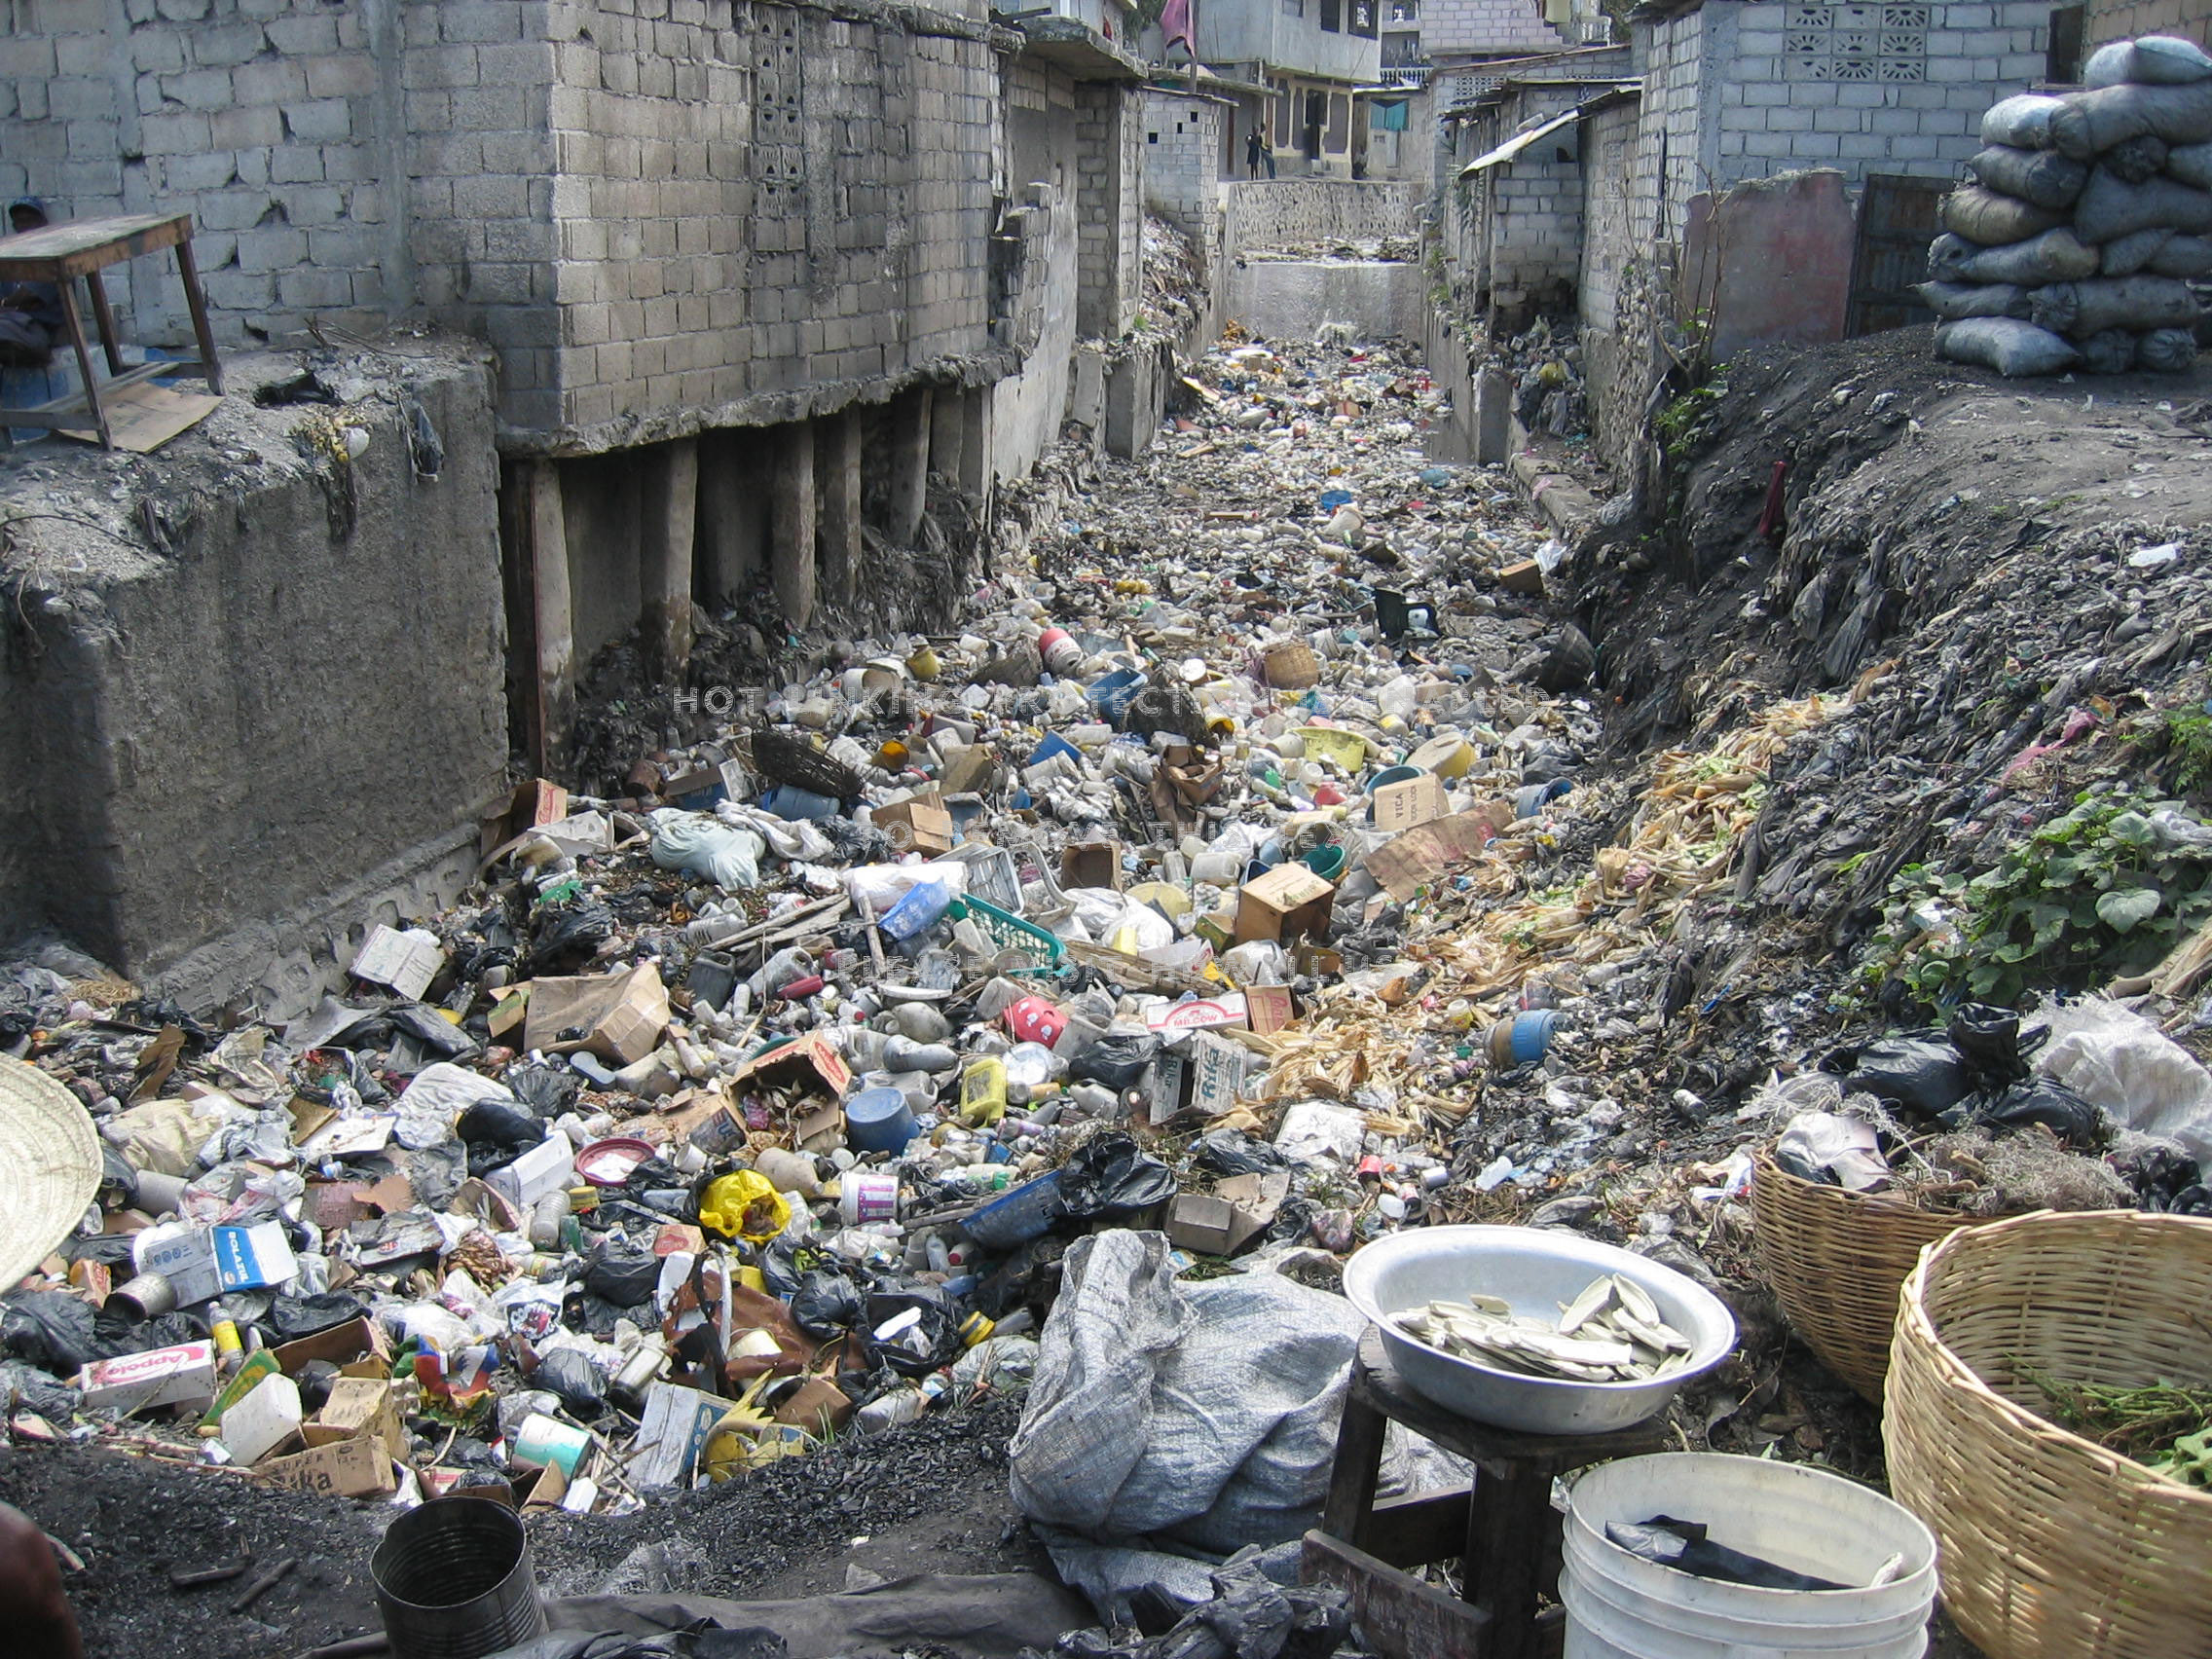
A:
x,y
1534,1269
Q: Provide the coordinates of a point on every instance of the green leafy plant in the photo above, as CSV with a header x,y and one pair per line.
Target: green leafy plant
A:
x,y
2101,889
2189,741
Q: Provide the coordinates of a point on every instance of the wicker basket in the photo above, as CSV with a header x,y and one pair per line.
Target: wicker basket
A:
x,y
1836,1260
2052,1546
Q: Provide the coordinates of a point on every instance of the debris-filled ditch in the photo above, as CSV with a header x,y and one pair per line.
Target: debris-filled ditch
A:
x,y
1298,850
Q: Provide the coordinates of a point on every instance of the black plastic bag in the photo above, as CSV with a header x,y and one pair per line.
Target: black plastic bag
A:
x,y
1233,1152
50,1329
436,1173
110,1250
547,1090
622,1273
26,1387
563,936
497,1132
1988,1039
2067,1114
928,1343
2166,1179
1683,1546
1112,1175
292,1317
1917,1070
314,1379
827,1304
1116,1061
574,1379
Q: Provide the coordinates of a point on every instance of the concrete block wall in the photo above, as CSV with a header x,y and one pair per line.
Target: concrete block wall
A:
x,y
1745,89
1493,28
1297,212
666,214
1109,207
1183,159
755,201
1535,206
2125,20
303,139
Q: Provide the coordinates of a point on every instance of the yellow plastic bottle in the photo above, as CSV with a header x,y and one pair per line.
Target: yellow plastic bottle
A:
x,y
983,1091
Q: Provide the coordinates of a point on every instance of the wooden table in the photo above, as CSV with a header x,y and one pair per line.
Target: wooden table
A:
x,y
79,250
1504,1527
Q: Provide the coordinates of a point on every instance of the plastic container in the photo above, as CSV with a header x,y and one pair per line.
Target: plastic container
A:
x,y
1114,693
455,1581
1010,933
1621,1607
1062,655
918,911
1327,863
1524,1038
879,1119
795,805
1026,1213
1346,751
867,1197
1447,757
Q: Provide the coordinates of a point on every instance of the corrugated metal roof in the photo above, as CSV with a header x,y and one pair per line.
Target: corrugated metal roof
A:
x,y
1514,145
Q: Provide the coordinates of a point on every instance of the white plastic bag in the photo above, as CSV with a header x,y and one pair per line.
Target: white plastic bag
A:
x,y
699,845
2122,1062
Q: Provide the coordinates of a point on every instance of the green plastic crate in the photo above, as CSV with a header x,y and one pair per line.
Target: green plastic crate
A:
x,y
1010,933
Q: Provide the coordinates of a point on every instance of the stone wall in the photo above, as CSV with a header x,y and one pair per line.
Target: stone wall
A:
x,y
1297,212
184,776
2125,20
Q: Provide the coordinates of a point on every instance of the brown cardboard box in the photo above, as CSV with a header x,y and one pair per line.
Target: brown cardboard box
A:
x,y
357,1468
532,805
621,1014
1218,1071
1240,1208
1410,803
1408,862
813,1403
1268,1008
1285,902
918,823
1092,864
340,1344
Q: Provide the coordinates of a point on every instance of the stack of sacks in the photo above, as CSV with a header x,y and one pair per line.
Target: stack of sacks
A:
x,y
2087,214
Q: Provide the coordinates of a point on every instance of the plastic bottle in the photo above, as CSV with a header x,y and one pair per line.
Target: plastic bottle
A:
x,y
546,1217
983,1090
925,903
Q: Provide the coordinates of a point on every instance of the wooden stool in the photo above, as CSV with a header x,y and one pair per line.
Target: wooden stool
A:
x,y
1504,1527
79,250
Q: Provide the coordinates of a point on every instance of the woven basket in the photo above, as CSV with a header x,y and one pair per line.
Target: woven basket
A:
x,y
1836,1260
2051,1545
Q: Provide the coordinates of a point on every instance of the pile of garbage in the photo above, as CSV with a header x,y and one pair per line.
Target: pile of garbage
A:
x,y
2090,212
760,1100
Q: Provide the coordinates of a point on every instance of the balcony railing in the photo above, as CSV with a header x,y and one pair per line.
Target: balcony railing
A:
x,y
1411,76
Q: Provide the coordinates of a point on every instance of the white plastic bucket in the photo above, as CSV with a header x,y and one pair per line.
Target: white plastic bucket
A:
x,y
1621,1607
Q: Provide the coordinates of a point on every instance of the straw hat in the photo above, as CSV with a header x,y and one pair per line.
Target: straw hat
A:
x,y
49,1166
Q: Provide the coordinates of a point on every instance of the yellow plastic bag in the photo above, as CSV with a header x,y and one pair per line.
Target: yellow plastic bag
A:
x,y
743,1204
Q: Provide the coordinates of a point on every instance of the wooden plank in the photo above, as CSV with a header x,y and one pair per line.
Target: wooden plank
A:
x,y
1506,1524
1419,1528
143,418
1358,1463
1392,1614
78,248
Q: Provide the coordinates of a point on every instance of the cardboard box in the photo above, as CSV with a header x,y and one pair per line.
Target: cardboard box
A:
x,y
1410,803
1170,1080
1092,864
1219,1069
534,804
182,1254
253,1258
1200,1014
812,1404
618,1016
1239,1209
340,1345
179,1376
1409,862
1268,1008
672,1434
548,1165
357,1467
1523,576
406,961
919,824
359,1406
1288,901
813,1053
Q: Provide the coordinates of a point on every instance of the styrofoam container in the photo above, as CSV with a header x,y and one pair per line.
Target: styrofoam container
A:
x,y
1622,1606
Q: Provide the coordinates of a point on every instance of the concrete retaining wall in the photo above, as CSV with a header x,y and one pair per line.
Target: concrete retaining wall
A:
x,y
1297,212
1292,298
218,735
